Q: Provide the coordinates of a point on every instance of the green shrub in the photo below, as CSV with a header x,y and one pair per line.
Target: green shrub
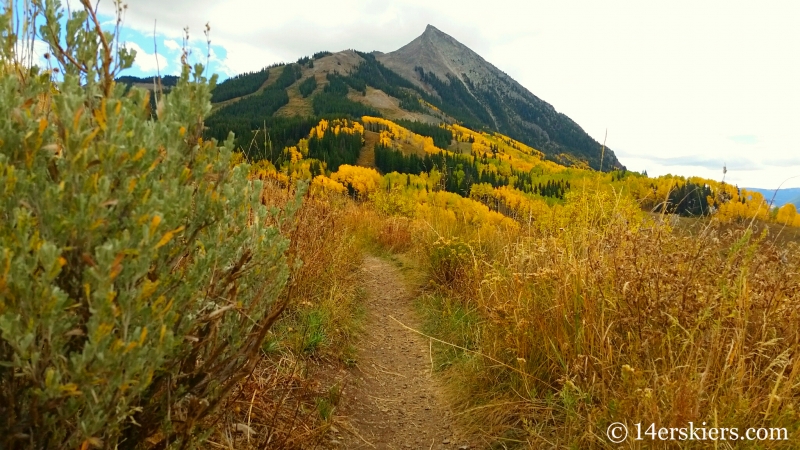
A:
x,y
138,275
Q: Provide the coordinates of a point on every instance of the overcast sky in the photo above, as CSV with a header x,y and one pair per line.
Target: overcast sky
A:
x,y
683,87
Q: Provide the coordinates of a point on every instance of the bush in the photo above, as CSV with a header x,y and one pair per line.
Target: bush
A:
x,y
448,260
138,276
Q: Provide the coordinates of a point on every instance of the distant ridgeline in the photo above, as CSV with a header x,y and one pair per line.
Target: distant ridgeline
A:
x,y
240,85
166,81
250,114
452,102
780,197
483,109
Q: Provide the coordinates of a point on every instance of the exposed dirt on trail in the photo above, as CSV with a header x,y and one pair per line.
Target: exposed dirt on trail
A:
x,y
391,400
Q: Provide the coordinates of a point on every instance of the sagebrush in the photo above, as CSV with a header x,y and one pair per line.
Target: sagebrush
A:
x,y
138,272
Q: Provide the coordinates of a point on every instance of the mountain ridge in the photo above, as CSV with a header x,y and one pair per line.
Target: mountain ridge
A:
x,y
435,58
434,79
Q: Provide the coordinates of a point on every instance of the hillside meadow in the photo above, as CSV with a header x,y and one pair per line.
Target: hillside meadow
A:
x,y
555,319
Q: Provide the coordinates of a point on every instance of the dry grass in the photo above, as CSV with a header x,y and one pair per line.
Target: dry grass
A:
x,y
778,234
591,316
289,401
367,156
394,234
597,316
388,106
297,106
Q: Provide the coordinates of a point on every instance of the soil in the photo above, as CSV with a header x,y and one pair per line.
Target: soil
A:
x,y
391,400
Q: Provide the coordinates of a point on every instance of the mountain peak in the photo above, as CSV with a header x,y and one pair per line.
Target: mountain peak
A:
x,y
439,64
431,30
436,52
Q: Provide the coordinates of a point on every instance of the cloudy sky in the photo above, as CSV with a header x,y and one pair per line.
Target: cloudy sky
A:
x,y
682,87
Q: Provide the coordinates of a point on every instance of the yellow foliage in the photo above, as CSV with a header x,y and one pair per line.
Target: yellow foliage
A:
x,y
391,133
260,169
362,179
293,154
509,201
478,148
787,215
753,207
321,184
236,158
441,205
336,126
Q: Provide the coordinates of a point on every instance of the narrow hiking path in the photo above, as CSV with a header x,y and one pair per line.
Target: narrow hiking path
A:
x,y
392,400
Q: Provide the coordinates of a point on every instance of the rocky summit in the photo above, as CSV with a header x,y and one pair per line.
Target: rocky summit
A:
x,y
440,65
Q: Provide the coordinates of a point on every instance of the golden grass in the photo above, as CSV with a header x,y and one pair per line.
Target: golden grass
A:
x,y
367,156
599,316
297,106
566,324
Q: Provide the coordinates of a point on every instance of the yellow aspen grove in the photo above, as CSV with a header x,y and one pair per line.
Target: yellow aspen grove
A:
x,y
362,180
392,133
507,158
336,127
321,184
787,215
293,154
479,148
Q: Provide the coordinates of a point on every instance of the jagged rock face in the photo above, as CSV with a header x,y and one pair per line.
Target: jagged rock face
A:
x,y
497,101
439,53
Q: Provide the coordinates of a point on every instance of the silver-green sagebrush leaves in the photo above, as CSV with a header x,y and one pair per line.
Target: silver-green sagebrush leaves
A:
x,y
137,274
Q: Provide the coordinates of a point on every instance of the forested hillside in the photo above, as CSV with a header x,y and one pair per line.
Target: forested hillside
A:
x,y
499,104
504,174
240,85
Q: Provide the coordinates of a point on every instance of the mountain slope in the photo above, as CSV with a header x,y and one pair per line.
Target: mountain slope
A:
x,y
434,79
466,83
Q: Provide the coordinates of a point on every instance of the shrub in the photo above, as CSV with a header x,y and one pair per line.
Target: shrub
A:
x,y
138,275
449,259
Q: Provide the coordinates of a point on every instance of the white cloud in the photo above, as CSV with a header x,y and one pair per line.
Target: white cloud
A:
x,y
171,44
147,62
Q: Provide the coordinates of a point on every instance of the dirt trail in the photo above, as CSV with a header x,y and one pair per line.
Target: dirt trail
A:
x,y
392,401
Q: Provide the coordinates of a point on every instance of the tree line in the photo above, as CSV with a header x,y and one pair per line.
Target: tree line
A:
x,y
460,172
240,85
442,137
